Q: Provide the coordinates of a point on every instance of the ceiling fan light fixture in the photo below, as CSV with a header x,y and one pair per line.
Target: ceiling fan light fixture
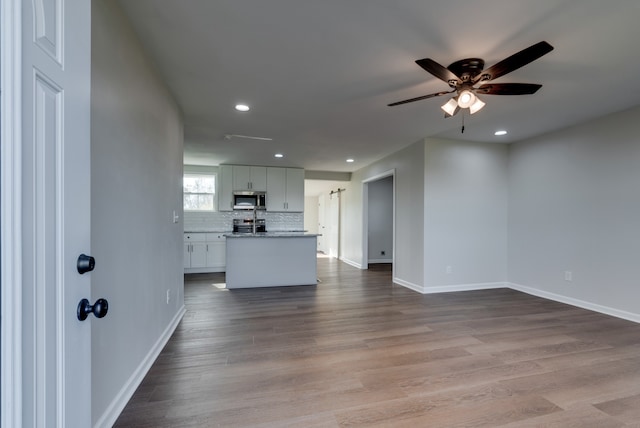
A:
x,y
477,106
466,99
450,106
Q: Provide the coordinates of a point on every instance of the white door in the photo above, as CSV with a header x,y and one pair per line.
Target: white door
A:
x,y
322,229
55,195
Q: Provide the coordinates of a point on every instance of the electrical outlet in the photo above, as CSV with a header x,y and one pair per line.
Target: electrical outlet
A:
x,y
175,216
568,275
168,296
382,253
449,270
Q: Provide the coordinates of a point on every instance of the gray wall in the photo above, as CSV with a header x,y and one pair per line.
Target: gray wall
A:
x,y
380,220
465,215
409,188
574,206
451,210
136,155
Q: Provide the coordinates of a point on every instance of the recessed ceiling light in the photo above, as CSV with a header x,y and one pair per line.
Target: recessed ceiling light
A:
x,y
350,160
501,132
242,107
279,155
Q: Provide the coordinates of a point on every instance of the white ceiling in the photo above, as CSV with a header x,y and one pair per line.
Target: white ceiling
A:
x,y
318,75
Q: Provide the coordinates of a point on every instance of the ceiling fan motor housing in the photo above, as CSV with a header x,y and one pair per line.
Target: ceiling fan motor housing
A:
x,y
466,69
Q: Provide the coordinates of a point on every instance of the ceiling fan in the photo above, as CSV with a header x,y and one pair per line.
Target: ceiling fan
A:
x,y
463,76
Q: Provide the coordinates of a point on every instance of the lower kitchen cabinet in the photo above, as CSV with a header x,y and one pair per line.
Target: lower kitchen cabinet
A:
x,y
216,251
204,252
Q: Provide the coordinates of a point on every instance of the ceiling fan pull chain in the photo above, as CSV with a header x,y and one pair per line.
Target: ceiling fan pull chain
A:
x,y
462,129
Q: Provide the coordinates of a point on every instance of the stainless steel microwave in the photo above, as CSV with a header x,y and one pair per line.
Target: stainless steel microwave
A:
x,y
249,200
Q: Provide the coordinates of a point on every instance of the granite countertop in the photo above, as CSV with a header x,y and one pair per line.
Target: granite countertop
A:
x,y
271,235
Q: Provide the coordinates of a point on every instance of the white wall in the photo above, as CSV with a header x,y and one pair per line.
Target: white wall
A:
x,y
136,144
311,206
380,220
409,185
574,206
465,215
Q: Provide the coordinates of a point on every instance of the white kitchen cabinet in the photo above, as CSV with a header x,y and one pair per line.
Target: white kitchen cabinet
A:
x,y
285,189
186,257
216,251
295,190
196,250
225,188
239,177
249,178
276,190
204,252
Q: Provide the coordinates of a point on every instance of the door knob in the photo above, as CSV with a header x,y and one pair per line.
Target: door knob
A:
x,y
99,308
85,263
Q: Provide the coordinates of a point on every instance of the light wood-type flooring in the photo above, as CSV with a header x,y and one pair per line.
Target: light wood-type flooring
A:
x,y
356,350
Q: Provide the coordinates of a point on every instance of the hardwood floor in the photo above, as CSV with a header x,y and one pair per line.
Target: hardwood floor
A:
x,y
356,350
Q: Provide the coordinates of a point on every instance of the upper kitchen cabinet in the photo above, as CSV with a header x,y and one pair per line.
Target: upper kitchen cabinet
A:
x,y
285,189
250,178
225,189
239,177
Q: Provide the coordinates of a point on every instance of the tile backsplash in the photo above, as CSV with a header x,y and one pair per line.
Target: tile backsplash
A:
x,y
223,220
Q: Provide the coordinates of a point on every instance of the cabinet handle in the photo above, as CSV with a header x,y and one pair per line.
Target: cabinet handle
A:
x,y
207,248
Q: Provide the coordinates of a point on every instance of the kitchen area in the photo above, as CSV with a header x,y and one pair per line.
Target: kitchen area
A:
x,y
254,228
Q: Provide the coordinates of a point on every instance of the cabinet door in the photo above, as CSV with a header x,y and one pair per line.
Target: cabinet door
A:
x,y
216,254
241,177
276,189
216,250
295,190
225,188
198,254
186,257
258,175
249,178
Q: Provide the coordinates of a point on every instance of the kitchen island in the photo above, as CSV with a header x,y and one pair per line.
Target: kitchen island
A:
x,y
271,259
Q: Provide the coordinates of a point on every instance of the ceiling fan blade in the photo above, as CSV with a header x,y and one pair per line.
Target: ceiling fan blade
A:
x,y
515,61
424,97
441,72
508,88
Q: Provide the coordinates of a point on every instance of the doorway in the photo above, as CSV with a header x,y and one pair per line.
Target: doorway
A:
x,y
379,221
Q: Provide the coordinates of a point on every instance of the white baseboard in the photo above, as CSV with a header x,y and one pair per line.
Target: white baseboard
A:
x,y
118,404
374,261
463,287
629,316
351,262
449,288
409,285
204,270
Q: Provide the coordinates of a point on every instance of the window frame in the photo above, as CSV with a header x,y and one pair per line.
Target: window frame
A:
x,y
214,194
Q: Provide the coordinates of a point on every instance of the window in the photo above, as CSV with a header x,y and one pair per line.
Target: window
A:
x,y
199,192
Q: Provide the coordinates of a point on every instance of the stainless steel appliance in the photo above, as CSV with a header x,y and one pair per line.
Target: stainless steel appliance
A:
x,y
249,200
245,225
